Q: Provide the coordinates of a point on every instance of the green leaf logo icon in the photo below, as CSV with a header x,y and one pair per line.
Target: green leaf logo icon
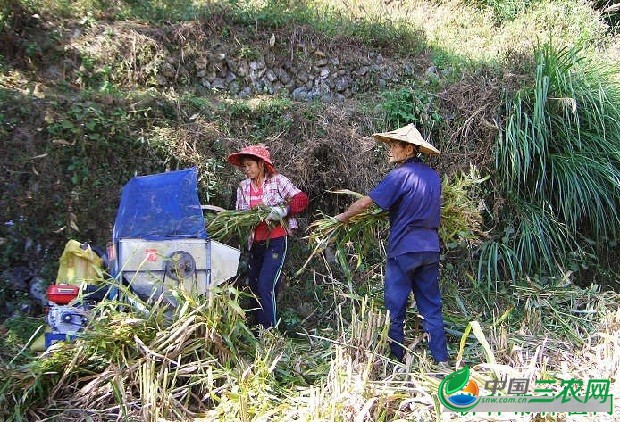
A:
x,y
456,380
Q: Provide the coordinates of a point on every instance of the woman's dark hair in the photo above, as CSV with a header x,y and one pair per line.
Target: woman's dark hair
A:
x,y
249,157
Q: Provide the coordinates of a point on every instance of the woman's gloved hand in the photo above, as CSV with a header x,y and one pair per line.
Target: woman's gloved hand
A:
x,y
277,213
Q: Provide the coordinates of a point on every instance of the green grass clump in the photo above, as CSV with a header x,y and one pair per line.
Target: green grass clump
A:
x,y
558,163
411,105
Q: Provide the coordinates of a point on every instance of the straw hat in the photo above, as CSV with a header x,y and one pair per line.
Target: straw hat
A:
x,y
408,134
259,151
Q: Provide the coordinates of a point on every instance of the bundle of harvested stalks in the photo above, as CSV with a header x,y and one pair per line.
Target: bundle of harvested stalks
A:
x,y
460,214
226,224
359,233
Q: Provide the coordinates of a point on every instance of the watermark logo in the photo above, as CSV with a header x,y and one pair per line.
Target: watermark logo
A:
x,y
459,393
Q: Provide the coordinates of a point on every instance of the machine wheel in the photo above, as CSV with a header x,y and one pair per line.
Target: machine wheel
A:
x,y
180,265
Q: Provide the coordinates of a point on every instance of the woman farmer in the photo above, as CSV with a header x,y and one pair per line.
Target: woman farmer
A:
x,y
412,194
268,241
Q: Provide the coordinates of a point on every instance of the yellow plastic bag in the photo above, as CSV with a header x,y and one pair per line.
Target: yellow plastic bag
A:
x,y
79,265
38,345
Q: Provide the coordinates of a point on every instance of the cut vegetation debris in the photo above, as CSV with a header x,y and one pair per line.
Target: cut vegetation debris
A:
x,y
202,362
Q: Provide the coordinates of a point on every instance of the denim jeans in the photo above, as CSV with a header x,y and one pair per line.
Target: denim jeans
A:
x,y
417,272
265,266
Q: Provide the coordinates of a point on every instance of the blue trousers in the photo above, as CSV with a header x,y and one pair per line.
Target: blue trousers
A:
x,y
417,272
265,266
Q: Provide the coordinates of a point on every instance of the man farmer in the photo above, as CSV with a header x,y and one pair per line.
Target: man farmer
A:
x,y
412,194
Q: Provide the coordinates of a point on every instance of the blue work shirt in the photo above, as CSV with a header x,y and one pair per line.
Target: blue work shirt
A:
x,y
412,195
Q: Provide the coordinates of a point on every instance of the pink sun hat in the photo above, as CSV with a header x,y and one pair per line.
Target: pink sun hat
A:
x,y
259,151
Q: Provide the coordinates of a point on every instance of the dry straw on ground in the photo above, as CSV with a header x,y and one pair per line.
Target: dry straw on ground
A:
x,y
204,364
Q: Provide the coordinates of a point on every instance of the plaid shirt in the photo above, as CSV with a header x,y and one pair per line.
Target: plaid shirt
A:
x,y
277,190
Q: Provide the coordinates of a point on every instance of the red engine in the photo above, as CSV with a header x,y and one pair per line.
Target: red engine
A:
x,y
62,294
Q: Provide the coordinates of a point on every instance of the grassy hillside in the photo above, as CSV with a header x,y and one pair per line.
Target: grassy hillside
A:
x,y
521,97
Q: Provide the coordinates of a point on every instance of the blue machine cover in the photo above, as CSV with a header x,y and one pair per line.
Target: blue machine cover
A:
x,y
160,206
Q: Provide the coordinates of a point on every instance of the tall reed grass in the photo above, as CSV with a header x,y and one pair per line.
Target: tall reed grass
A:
x,y
558,164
